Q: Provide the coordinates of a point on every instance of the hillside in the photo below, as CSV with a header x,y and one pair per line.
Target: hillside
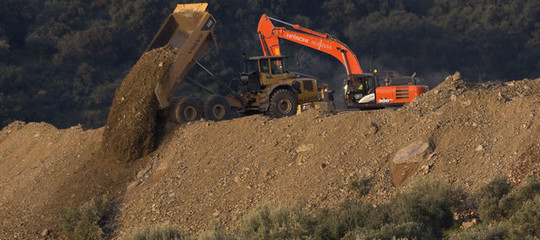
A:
x,y
204,171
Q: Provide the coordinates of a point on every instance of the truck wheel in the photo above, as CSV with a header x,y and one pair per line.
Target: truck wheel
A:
x,y
216,108
283,103
186,109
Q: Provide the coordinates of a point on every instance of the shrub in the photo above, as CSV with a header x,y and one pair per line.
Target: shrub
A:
x,y
422,212
526,221
491,194
482,232
216,232
359,185
276,223
409,230
86,220
493,209
427,203
496,188
489,210
162,232
526,191
350,215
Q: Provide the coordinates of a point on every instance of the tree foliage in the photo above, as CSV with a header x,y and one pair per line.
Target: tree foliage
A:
x,y
60,60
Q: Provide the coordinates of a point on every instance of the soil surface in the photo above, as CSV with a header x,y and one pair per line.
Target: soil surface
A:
x,y
204,171
44,170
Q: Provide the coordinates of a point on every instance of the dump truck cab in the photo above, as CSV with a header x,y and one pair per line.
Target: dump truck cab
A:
x,y
268,87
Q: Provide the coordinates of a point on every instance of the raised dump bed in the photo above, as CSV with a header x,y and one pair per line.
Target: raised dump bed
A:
x,y
131,127
190,28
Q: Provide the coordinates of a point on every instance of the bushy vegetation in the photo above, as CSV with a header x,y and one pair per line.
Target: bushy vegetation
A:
x,y
161,232
409,230
503,206
216,232
430,203
525,221
359,185
350,215
491,195
482,232
275,223
61,60
86,221
519,209
424,211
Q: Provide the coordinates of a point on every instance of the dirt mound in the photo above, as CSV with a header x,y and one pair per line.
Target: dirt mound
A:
x,y
44,170
130,132
206,171
219,171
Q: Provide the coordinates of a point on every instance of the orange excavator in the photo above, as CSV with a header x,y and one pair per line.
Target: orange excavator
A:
x,y
361,90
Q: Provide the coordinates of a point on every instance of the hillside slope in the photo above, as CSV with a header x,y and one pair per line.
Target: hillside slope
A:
x,y
206,171
44,170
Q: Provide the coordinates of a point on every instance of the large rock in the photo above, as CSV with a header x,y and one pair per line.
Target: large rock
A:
x,y
407,160
410,153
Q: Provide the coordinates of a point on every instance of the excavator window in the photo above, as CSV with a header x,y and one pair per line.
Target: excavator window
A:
x,y
370,85
360,87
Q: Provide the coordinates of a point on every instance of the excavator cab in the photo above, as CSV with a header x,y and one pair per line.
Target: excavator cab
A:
x,y
360,88
375,90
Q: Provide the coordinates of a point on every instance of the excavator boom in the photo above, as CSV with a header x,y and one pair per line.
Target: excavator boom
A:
x,y
269,36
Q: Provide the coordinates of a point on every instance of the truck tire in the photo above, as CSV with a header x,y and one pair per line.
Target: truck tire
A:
x,y
186,109
216,108
283,103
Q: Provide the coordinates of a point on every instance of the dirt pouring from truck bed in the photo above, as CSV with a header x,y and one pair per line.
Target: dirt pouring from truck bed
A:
x,y
130,132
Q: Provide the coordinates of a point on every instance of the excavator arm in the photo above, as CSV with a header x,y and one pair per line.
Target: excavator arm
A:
x,y
269,36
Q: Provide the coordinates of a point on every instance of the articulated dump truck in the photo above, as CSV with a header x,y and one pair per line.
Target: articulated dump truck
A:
x,y
264,87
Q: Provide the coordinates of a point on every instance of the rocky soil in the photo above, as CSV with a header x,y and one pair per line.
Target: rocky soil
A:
x,y
131,127
462,132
